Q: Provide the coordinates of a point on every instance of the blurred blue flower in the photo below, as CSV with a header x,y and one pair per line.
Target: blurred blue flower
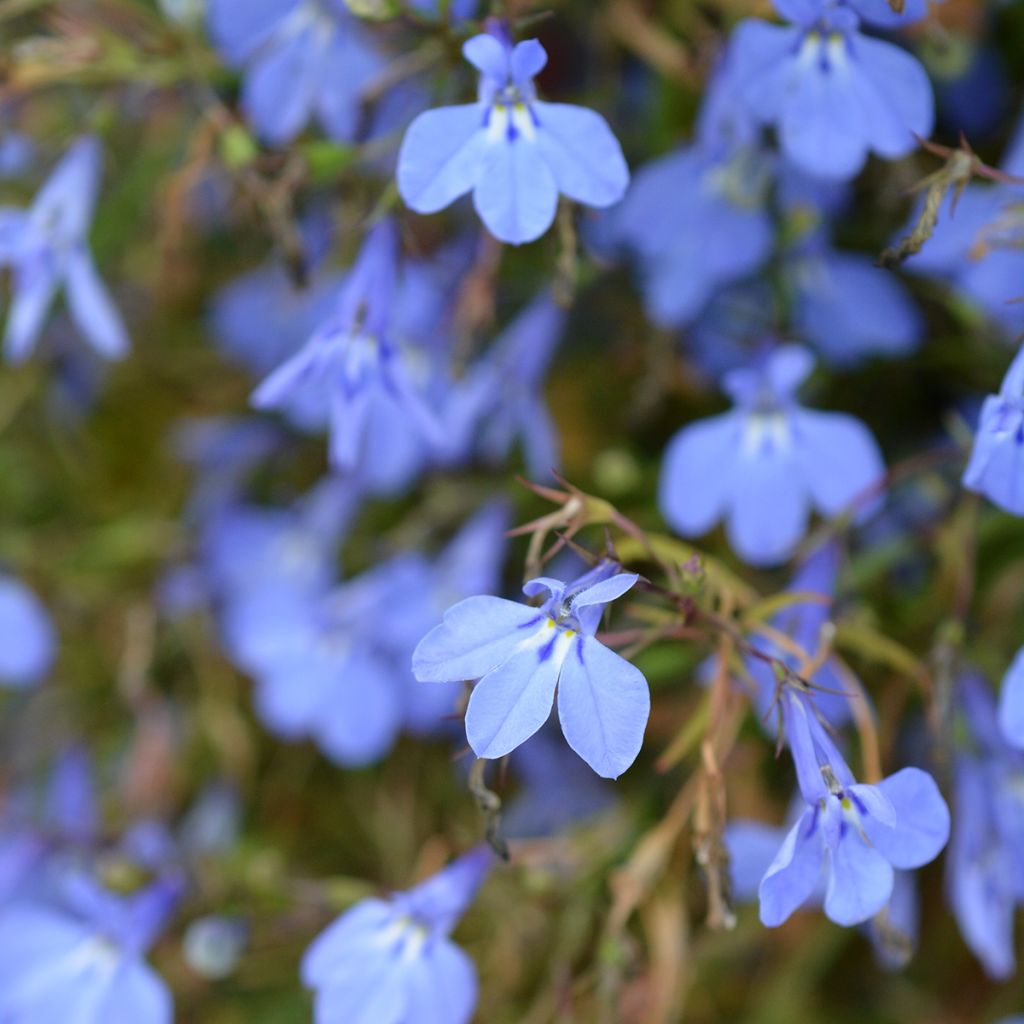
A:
x,y
985,864
995,468
833,93
515,153
697,218
803,622
46,248
392,961
521,654
84,960
501,398
28,640
353,374
847,307
856,833
763,465
302,59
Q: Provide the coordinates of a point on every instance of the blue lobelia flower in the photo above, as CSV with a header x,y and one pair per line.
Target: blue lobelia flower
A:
x,y
501,398
697,218
391,961
302,59
833,93
352,374
512,151
763,465
84,960
856,833
522,654
752,847
985,864
330,666
995,468
28,641
46,248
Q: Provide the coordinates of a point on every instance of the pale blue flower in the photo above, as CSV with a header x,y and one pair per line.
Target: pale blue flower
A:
x,y
391,961
764,465
47,250
512,151
521,655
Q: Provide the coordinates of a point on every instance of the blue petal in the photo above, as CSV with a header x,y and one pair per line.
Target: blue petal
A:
x,y
137,995
92,309
821,121
895,96
752,847
27,638
357,928
860,881
515,194
349,68
370,988
838,459
33,286
996,466
238,27
793,875
476,636
922,820
281,87
761,55
605,591
526,61
1011,702
582,153
511,703
769,506
603,705
441,157
696,475
442,985
489,56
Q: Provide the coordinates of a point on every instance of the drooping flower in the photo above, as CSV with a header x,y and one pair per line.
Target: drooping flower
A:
x,y
85,960
764,465
512,151
47,250
856,833
833,93
353,375
391,961
28,641
995,468
521,655
302,59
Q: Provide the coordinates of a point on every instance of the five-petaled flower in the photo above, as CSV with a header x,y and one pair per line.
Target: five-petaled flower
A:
x,y
521,654
833,93
857,833
392,960
764,464
513,152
